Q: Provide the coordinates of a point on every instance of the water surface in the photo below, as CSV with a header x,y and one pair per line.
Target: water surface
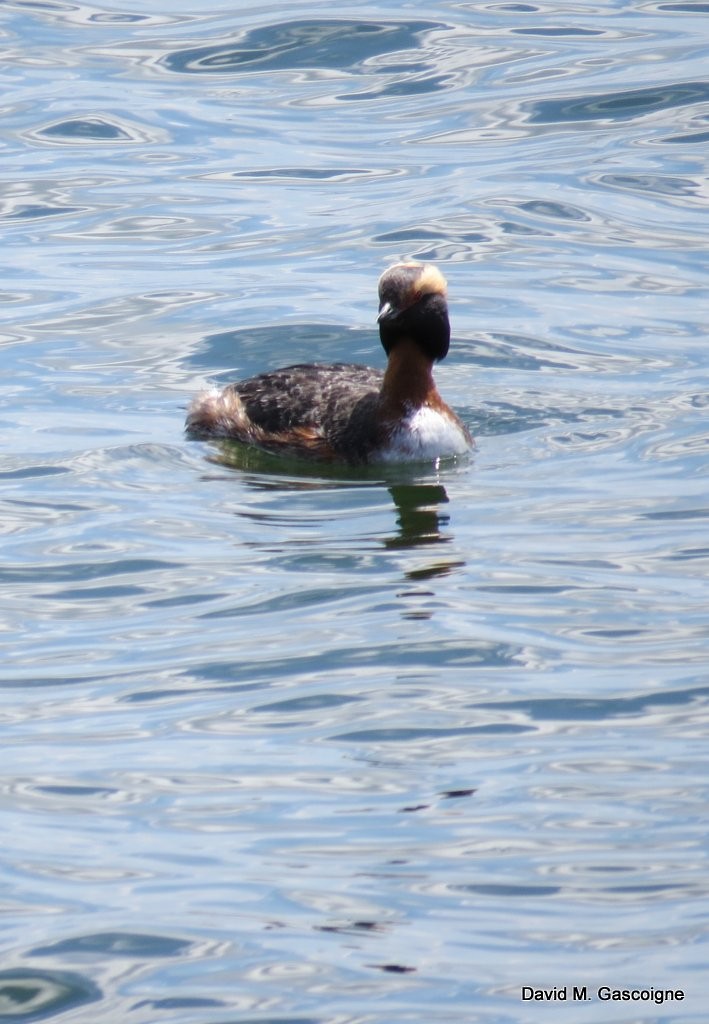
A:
x,y
288,744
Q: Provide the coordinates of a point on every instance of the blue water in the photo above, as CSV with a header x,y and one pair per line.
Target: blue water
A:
x,y
283,745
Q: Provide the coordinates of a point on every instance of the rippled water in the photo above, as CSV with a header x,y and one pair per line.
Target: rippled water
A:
x,y
287,745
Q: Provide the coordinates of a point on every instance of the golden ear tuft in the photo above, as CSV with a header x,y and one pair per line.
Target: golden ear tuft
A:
x,y
415,278
431,281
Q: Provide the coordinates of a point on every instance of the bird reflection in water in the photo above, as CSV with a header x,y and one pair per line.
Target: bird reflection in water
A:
x,y
421,522
419,516
421,519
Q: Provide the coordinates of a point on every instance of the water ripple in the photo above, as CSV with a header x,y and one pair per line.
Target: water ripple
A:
x,y
95,128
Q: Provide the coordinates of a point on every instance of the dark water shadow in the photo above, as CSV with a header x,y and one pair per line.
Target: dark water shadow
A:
x,y
269,471
623,105
299,45
28,995
251,347
117,944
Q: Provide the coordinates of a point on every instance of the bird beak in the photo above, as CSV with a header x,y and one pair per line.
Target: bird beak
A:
x,y
386,312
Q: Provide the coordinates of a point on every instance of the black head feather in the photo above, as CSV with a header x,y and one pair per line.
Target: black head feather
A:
x,y
412,304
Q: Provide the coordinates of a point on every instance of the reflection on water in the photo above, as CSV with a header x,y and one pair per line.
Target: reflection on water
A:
x,y
287,742
419,516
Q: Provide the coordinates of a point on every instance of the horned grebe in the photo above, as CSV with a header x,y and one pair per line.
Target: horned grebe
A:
x,y
347,412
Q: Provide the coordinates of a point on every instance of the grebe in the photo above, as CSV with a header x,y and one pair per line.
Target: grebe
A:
x,y
347,412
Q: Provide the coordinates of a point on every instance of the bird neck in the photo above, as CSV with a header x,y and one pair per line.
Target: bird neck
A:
x,y
408,379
